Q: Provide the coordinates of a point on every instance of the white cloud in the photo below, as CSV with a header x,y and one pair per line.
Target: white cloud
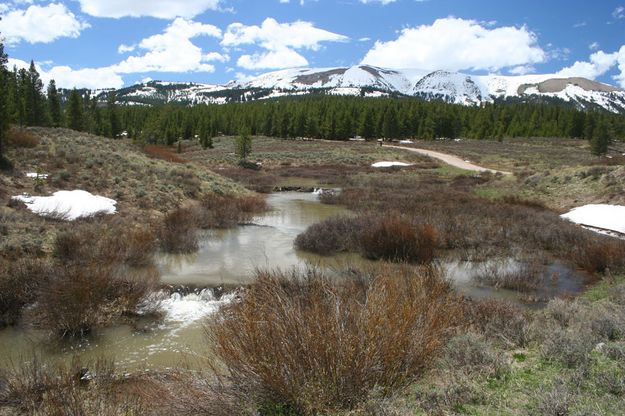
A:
x,y
620,78
40,24
280,58
126,48
273,35
619,13
598,64
457,44
163,9
593,46
216,57
279,40
65,77
172,50
522,70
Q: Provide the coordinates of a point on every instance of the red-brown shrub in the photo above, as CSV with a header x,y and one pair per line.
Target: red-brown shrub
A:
x,y
396,239
22,138
163,153
317,345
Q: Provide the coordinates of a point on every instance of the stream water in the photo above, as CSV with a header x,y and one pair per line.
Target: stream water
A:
x,y
227,257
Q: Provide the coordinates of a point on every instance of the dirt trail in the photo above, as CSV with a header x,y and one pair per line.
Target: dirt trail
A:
x,y
449,159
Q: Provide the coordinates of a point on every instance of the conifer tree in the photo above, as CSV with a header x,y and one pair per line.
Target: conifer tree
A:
x,y
4,105
600,140
74,111
243,145
54,105
113,117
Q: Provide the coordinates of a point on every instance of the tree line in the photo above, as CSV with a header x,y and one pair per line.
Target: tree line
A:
x,y
23,102
340,118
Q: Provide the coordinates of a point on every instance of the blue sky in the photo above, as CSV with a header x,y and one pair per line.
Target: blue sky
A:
x,y
112,43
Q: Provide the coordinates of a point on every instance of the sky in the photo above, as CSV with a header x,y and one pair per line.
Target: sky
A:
x,y
116,43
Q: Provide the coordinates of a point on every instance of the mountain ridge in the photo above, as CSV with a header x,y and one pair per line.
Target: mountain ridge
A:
x,y
371,81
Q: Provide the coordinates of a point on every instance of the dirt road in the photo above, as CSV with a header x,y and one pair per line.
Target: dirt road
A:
x,y
449,159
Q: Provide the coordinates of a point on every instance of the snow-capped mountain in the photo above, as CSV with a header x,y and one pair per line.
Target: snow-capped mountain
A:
x,y
369,81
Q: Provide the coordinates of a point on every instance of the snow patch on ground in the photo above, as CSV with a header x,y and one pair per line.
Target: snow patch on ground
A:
x,y
389,164
69,205
599,216
36,175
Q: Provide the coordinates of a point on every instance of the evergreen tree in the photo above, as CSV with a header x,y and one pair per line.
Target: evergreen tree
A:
x,y
367,125
206,138
74,111
31,96
4,105
243,146
54,105
600,140
113,117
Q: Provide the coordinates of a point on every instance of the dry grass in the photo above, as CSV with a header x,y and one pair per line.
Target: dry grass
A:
x,y
337,340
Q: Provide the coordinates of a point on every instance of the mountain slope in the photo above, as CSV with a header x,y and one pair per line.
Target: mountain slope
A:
x,y
365,80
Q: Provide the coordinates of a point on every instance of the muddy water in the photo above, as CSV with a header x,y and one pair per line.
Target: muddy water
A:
x,y
231,256
227,257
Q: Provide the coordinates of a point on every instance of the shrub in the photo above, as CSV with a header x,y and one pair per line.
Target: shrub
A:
x,y
395,239
500,320
523,278
19,283
163,153
331,236
74,389
473,355
555,401
337,340
22,138
224,211
563,311
79,297
178,233
568,347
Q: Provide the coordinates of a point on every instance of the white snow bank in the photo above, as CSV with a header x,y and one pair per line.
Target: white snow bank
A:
x,y
602,216
186,309
36,175
389,164
406,142
69,205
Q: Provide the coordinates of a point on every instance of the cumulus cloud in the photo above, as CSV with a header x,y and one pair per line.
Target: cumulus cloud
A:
x,y
66,77
619,13
620,78
458,44
162,9
280,58
598,64
280,40
172,50
40,24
